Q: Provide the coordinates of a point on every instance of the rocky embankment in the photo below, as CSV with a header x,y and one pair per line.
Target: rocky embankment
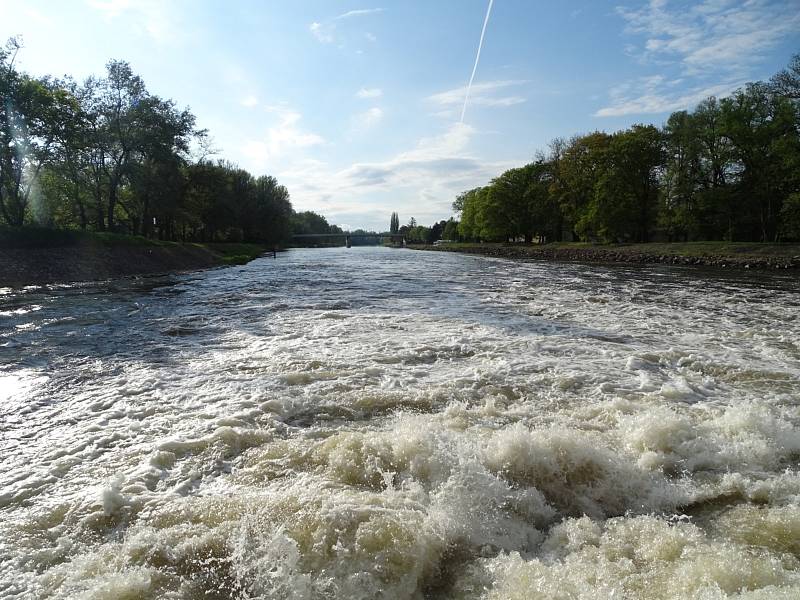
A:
x,y
61,264
622,254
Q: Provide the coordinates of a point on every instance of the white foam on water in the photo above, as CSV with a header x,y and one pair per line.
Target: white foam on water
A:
x,y
399,425
641,557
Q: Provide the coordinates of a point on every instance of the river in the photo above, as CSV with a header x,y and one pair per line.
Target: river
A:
x,y
376,423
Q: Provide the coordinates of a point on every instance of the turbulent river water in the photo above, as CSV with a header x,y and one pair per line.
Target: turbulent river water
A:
x,y
376,423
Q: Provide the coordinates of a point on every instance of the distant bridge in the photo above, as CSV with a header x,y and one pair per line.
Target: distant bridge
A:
x,y
396,238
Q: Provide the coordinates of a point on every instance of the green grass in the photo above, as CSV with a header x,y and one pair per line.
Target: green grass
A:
x,y
41,237
233,253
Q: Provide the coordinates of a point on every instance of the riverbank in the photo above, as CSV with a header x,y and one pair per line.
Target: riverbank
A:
x,y
37,257
708,254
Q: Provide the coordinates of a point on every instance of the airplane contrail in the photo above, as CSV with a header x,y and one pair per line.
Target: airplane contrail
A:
x,y
477,58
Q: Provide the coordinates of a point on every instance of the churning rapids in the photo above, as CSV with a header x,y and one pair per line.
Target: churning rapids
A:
x,y
375,423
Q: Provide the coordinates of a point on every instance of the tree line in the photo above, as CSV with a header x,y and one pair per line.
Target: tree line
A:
x,y
728,170
420,234
106,154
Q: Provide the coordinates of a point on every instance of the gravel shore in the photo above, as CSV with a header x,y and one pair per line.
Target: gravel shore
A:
x,y
621,255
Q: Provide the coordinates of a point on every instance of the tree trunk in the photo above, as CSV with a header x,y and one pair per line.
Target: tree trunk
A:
x,y
146,219
3,210
81,209
112,201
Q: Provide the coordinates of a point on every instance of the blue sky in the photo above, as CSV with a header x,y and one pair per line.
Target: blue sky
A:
x,y
355,106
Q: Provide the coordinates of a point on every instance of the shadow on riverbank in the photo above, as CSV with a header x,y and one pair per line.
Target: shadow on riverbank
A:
x,y
36,257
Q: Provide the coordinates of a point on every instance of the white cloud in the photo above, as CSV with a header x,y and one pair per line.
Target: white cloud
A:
x,y
369,93
712,47
367,119
249,101
655,97
14,13
422,181
437,161
323,33
112,8
713,34
482,94
150,17
282,137
359,13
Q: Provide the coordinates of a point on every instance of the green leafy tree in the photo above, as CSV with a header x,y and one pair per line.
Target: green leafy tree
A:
x,y
582,164
542,203
511,215
469,205
790,218
716,205
786,83
309,222
135,126
682,176
450,231
32,114
762,128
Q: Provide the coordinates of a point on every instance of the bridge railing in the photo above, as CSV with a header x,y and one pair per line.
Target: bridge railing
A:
x,y
348,237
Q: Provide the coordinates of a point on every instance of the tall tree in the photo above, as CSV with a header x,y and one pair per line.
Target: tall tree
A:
x,y
32,115
136,126
450,232
787,82
508,195
582,163
762,128
682,176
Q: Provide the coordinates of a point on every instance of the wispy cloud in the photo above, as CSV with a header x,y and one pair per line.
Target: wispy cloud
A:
x,y
112,8
323,33
148,17
326,31
359,13
281,138
249,101
653,95
713,34
367,119
441,156
442,162
711,47
423,180
482,94
369,93
30,14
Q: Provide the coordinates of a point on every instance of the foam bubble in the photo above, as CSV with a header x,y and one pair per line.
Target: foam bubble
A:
x,y
642,557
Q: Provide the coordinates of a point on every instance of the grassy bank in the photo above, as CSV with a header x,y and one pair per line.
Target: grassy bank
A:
x,y
40,237
736,255
31,256
236,253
